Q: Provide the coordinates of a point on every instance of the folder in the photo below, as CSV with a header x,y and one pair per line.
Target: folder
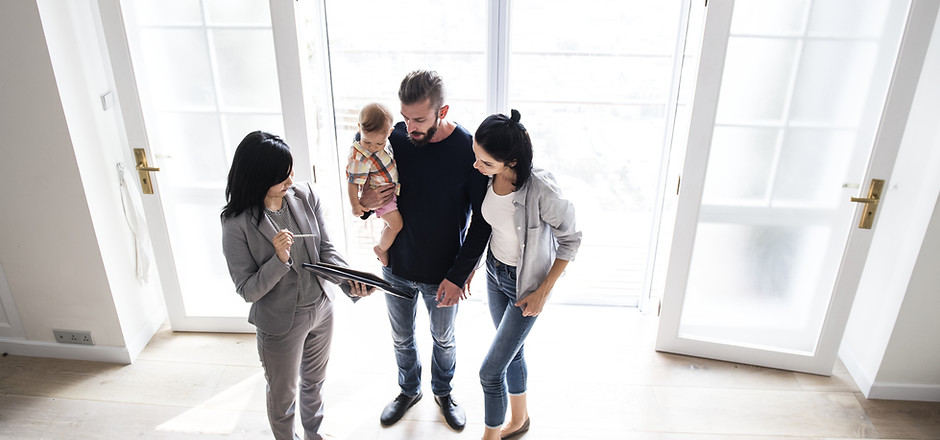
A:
x,y
344,273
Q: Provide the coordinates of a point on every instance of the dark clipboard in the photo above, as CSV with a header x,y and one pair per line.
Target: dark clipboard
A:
x,y
331,271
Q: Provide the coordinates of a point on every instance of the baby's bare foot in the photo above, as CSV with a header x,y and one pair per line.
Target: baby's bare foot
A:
x,y
383,255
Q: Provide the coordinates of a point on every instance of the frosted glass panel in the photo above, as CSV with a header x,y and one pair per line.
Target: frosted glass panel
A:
x,y
739,164
814,163
851,18
247,69
194,219
756,78
178,72
753,285
190,149
236,126
841,73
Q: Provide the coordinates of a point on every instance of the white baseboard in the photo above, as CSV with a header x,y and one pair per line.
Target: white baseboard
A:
x,y
905,391
886,391
97,353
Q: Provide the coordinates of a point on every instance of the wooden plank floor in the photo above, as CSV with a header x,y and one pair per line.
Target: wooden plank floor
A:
x,y
593,375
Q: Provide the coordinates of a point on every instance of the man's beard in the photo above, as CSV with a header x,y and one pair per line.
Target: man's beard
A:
x,y
427,137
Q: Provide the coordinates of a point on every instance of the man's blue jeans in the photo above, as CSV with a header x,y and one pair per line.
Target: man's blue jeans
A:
x,y
504,368
401,315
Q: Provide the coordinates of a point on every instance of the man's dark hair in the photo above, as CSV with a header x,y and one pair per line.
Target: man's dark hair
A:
x,y
420,85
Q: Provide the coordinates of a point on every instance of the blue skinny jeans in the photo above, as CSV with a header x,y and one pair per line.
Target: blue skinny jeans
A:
x,y
504,369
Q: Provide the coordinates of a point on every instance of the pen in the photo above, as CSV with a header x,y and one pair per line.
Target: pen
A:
x,y
303,235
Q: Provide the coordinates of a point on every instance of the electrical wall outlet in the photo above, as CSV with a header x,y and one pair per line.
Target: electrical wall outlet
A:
x,y
73,337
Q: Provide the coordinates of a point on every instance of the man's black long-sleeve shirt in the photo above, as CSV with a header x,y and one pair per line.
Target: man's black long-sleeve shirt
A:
x,y
439,191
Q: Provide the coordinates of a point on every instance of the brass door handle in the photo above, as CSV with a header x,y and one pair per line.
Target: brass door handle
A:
x,y
871,203
144,170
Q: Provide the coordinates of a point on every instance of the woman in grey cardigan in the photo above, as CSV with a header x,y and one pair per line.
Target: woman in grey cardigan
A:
x,y
534,237
291,308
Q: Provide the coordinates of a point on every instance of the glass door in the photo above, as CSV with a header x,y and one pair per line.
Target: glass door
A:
x,y
797,107
194,78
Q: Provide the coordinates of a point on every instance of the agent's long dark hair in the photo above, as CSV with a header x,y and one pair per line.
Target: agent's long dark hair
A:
x,y
507,140
261,161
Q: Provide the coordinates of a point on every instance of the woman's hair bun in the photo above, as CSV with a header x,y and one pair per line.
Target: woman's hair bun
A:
x,y
515,116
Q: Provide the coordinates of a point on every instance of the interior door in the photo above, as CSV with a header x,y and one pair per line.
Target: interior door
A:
x,y
798,107
193,79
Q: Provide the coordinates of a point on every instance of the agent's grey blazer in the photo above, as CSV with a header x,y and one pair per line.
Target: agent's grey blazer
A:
x,y
260,277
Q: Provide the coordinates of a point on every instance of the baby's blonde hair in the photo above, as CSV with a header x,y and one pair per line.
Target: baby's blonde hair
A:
x,y
375,117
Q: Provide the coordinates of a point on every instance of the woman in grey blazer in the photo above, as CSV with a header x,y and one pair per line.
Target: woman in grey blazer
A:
x,y
291,307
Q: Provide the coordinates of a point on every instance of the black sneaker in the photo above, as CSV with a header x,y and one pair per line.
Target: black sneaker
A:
x,y
396,409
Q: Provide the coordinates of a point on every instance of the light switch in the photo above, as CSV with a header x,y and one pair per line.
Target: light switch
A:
x,y
107,101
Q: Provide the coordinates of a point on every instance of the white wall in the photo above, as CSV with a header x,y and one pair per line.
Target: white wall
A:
x,y
64,244
911,366
890,343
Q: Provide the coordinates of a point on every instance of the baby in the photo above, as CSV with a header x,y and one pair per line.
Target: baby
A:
x,y
370,161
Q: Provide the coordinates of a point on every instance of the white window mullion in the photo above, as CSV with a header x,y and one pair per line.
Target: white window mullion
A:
x,y
287,53
497,69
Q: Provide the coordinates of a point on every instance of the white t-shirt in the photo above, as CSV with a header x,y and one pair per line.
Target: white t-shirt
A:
x,y
498,211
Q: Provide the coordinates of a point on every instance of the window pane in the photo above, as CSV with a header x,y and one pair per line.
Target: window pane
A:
x,y
593,85
769,17
370,53
237,12
167,12
595,26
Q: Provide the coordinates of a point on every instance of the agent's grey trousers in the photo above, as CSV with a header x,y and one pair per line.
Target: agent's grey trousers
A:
x,y
301,353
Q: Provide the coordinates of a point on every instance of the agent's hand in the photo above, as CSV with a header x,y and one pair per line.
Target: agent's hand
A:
x,y
360,290
374,198
448,294
282,243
